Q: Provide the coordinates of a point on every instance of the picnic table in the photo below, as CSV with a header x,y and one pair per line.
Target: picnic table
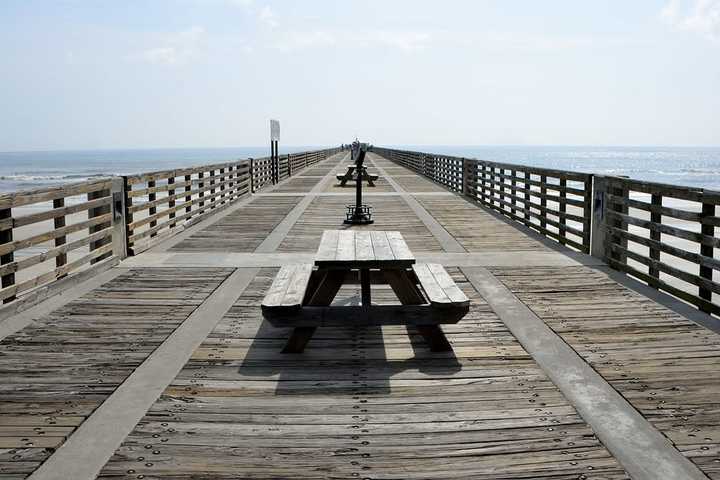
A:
x,y
350,175
301,294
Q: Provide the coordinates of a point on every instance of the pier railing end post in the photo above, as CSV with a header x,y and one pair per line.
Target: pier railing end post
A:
x,y
597,225
252,175
119,221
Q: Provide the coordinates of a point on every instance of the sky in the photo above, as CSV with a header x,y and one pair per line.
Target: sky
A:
x,y
90,74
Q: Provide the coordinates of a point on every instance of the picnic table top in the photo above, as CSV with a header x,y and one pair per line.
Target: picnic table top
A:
x,y
347,249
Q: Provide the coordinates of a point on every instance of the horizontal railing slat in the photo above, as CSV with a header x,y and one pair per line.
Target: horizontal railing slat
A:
x,y
29,197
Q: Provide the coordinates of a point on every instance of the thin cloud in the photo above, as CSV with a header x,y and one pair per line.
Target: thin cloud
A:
x,y
267,16
293,41
412,41
176,49
701,17
401,40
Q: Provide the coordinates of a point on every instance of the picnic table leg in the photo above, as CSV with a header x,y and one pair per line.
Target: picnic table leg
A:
x,y
367,177
365,287
348,176
327,287
403,287
408,294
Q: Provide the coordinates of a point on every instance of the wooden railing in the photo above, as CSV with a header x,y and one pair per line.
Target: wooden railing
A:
x,y
444,169
297,161
270,170
663,235
555,203
283,167
262,173
55,233
54,237
159,204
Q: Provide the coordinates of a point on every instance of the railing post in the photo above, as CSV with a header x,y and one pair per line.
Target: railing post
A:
x,y
482,184
587,212
129,217
620,192
464,176
222,186
707,230
188,196
201,186
252,175
543,200
59,222
513,192
6,236
562,208
656,217
171,203
152,196
526,197
97,212
598,226
501,179
119,219
212,189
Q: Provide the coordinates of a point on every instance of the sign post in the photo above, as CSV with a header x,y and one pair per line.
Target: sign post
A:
x,y
274,157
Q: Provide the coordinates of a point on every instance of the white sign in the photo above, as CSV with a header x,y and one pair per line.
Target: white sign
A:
x,y
274,130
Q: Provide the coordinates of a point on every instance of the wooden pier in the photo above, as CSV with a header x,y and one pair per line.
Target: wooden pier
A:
x,y
158,364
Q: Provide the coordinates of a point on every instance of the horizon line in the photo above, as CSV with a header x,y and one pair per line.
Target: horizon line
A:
x,y
487,145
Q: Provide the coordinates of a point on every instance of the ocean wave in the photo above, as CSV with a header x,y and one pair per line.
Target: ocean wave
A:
x,y
681,172
38,178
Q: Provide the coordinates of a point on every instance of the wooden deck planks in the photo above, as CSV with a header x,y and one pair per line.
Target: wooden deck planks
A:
x,y
298,184
663,364
417,184
360,403
57,371
327,213
243,230
476,229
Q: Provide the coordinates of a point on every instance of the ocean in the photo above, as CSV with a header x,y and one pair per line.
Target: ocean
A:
x,y
689,166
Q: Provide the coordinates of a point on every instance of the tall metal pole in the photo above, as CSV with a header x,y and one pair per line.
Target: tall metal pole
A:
x,y
359,214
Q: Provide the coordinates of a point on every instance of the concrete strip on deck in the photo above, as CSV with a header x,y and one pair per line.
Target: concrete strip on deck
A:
x,y
277,259
448,242
275,238
170,242
641,449
352,194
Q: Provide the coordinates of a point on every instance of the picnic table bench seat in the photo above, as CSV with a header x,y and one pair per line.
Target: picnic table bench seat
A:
x,y
285,304
439,286
287,292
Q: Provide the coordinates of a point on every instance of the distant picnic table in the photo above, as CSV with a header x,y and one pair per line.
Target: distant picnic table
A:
x,y
350,175
301,294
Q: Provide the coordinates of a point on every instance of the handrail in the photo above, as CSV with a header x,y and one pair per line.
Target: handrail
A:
x,y
663,235
86,227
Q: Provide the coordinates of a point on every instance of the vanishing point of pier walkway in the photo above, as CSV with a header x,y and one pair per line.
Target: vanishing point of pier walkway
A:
x,y
162,367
